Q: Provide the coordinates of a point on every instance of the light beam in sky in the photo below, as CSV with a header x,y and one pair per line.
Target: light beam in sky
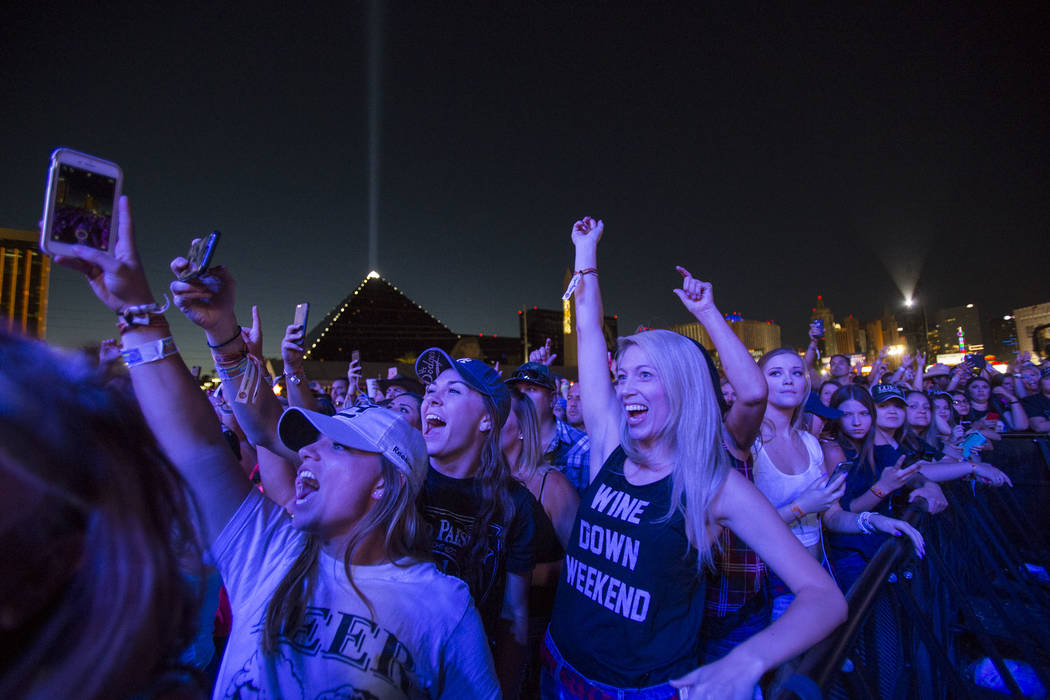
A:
x,y
375,29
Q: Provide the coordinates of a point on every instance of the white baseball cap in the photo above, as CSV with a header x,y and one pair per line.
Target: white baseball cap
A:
x,y
370,428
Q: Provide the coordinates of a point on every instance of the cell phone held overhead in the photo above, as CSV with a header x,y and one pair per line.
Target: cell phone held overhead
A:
x,y
302,312
201,252
80,203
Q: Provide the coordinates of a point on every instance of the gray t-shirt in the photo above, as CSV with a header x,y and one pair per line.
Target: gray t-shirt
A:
x,y
410,650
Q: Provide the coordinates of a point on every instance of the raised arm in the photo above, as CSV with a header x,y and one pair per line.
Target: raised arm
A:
x,y
208,302
812,355
1018,418
745,416
174,406
598,399
298,390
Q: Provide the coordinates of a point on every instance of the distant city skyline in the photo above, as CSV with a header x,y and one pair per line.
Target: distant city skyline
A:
x,y
867,153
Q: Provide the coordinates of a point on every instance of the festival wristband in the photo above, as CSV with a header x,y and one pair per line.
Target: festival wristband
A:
x,y
152,351
575,281
878,492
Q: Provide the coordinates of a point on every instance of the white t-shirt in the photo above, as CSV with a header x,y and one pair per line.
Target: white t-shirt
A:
x,y
426,641
781,489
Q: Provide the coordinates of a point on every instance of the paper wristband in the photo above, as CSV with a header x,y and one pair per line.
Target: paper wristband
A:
x,y
149,352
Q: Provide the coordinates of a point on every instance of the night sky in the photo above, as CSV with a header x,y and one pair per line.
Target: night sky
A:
x,y
780,153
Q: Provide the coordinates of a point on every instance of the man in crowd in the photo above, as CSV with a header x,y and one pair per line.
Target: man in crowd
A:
x,y
340,388
573,408
1037,406
565,447
938,377
398,384
840,370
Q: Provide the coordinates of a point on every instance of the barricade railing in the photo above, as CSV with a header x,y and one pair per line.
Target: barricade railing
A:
x,y
979,600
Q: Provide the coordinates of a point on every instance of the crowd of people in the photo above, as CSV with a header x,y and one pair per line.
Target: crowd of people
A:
x,y
661,528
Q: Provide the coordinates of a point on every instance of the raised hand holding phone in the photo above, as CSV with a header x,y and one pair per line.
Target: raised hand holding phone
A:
x,y
118,279
202,250
79,204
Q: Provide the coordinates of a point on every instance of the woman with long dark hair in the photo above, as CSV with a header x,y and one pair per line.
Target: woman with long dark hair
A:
x,y
479,517
96,535
661,490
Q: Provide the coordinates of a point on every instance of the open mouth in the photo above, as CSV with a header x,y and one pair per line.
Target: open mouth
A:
x,y
432,421
635,412
306,484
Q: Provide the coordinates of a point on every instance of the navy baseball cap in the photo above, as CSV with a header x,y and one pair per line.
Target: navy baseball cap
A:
x,y
882,393
534,373
477,375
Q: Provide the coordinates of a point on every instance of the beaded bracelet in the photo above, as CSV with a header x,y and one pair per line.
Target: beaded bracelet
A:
x,y
153,351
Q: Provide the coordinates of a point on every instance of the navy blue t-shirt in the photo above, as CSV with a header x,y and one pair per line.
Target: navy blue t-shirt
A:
x,y
1036,406
859,481
629,603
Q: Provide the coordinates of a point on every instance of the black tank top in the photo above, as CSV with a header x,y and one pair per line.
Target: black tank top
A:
x,y
629,604
548,548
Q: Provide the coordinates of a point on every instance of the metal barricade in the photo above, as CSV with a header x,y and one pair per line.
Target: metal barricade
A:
x,y
916,628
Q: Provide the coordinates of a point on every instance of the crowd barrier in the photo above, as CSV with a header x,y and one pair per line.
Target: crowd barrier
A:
x,y
970,620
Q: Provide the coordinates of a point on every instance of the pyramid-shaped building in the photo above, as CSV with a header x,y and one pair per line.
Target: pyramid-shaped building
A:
x,y
381,322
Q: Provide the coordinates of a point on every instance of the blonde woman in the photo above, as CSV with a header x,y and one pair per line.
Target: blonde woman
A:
x,y
661,490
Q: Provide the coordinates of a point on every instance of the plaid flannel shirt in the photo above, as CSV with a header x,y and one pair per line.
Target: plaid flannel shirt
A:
x,y
570,452
738,570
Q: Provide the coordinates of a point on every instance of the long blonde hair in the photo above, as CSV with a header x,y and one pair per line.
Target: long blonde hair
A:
x,y
693,428
529,424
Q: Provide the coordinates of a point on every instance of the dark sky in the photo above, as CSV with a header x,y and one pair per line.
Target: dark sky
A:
x,y
780,153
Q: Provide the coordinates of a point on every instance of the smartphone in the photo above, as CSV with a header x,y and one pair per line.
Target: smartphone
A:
x,y
820,327
840,468
200,255
973,441
80,203
912,458
355,356
977,361
302,312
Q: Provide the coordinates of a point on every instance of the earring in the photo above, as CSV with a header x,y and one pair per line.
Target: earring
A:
x,y
520,436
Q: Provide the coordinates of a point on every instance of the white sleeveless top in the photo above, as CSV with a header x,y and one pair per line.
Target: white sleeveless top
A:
x,y
781,489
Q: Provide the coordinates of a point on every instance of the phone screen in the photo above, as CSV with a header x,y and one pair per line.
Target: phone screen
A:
x,y
301,312
83,207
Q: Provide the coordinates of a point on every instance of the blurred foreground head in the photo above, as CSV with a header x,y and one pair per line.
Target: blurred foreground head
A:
x,y
95,536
